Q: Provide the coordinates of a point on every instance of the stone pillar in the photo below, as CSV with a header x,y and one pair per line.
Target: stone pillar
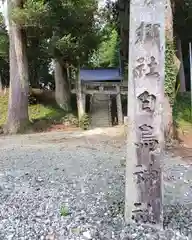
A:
x,y
145,112
119,106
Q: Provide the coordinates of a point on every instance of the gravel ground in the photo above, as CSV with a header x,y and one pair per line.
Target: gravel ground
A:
x,y
61,186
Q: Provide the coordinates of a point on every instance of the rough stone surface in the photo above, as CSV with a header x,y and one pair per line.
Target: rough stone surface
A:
x,y
58,187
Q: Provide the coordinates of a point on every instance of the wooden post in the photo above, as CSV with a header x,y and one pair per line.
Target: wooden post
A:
x,y
145,112
80,96
119,106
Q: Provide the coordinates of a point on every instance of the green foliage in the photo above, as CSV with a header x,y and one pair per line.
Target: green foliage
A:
x,y
84,122
70,120
32,99
4,41
69,26
74,32
3,46
33,13
107,54
1,19
55,29
4,52
37,112
110,13
170,71
182,110
64,211
50,113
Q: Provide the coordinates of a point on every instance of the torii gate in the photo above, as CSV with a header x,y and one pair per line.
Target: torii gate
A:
x,y
145,112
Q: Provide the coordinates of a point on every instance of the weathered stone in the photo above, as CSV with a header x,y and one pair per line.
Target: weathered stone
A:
x,y
145,112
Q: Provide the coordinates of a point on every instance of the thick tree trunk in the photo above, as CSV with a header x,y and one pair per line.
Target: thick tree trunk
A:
x,y
169,33
18,117
181,74
168,20
62,90
123,8
145,112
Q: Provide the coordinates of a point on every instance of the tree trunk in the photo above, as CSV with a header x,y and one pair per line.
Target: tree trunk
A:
x,y
34,81
168,20
169,33
62,91
80,96
123,9
181,74
145,112
18,118
169,27
34,65
1,84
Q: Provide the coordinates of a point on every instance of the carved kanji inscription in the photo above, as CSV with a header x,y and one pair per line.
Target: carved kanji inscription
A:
x,y
152,68
148,2
147,32
145,176
147,102
147,137
146,131
139,70
143,213
140,33
146,67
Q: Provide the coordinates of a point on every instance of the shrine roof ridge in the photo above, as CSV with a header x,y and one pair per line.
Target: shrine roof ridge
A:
x,y
100,74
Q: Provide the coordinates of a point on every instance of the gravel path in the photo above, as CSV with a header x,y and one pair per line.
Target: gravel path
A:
x,y
61,186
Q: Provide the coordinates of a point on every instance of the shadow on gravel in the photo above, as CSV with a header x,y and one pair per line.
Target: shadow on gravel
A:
x,y
178,217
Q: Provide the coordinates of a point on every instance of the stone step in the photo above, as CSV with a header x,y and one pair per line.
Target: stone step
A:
x,y
100,115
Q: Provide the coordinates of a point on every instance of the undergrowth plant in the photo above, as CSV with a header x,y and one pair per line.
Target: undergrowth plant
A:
x,y
170,71
84,122
64,211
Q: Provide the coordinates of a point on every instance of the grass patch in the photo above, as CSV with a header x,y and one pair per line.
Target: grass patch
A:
x,y
3,108
64,211
182,111
42,115
47,112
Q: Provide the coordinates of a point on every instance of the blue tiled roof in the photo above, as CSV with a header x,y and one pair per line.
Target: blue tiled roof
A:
x,y
100,75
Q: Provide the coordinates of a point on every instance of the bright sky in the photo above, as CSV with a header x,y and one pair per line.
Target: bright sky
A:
x,y
3,7
102,2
